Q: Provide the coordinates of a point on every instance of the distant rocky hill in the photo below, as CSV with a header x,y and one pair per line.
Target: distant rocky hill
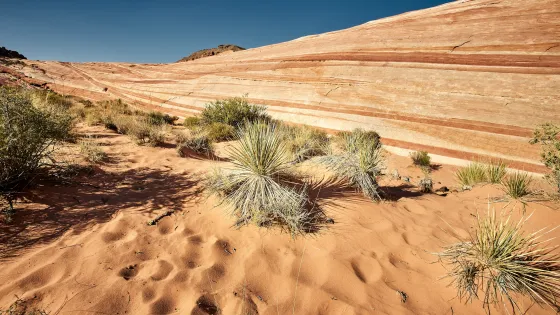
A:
x,y
211,52
5,52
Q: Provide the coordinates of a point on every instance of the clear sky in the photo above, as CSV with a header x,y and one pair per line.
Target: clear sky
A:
x,y
167,30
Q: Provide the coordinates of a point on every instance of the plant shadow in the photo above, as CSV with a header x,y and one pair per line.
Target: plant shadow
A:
x,y
48,210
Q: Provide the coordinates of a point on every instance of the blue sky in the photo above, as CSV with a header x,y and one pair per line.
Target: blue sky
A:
x,y
167,30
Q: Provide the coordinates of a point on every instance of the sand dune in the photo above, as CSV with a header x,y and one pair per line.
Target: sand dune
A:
x,y
86,248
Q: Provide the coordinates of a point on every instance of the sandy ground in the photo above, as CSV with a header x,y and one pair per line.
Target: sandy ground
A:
x,y
86,248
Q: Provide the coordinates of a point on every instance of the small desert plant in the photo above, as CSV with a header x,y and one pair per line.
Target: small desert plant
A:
x,y
192,122
260,186
471,174
549,136
145,133
421,159
495,171
426,185
92,151
21,307
516,185
158,119
28,136
304,142
199,144
354,141
233,111
361,162
501,261
219,132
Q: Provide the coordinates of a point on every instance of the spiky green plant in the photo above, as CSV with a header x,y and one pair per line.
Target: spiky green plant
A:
x,y
495,171
471,174
260,186
421,159
516,185
500,261
361,162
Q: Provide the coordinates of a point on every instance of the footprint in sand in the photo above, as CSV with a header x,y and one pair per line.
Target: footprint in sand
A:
x,y
129,272
164,305
148,294
164,269
367,269
205,305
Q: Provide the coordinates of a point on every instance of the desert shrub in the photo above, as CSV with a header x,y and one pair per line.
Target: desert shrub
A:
x,y
471,174
233,111
157,118
426,185
192,122
220,132
260,186
21,307
199,144
92,151
548,135
304,142
115,107
361,162
28,136
93,117
499,261
495,171
145,133
516,185
421,159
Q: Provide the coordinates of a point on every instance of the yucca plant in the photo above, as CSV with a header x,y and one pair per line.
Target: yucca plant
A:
x,y
516,185
361,162
471,174
500,261
260,186
495,171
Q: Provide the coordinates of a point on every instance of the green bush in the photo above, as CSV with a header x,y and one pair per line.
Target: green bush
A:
x,y
217,132
421,159
233,111
499,261
28,136
304,142
192,122
548,135
260,187
361,162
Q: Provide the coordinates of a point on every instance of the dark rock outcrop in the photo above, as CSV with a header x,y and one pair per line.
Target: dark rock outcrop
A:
x,y
211,52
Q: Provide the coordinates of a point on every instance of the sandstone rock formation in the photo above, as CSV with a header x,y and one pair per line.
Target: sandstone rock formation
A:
x,y
211,52
5,52
468,79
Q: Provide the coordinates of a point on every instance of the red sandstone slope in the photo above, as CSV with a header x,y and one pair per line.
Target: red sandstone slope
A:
x,y
465,79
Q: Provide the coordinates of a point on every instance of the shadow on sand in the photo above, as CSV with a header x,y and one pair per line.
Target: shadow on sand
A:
x,y
48,211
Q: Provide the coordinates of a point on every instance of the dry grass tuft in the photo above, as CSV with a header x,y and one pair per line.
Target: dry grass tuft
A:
x,y
516,185
92,151
421,159
472,174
